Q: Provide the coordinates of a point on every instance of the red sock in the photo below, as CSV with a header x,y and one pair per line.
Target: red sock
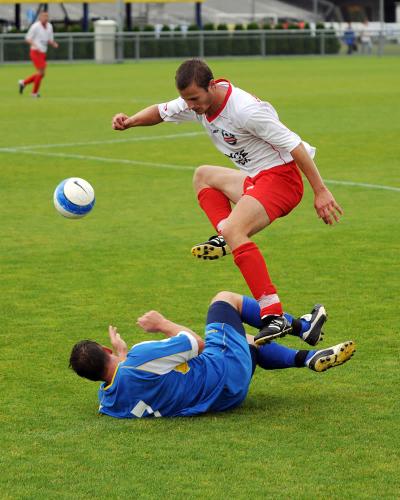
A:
x,y
215,204
36,85
252,265
30,79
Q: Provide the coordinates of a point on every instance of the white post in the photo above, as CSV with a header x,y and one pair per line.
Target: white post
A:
x,y
104,36
315,9
382,23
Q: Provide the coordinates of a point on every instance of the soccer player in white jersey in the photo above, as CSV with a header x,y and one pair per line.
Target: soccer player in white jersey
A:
x,y
184,375
39,36
269,184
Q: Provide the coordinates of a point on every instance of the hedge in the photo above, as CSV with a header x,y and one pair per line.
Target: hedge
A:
x,y
176,43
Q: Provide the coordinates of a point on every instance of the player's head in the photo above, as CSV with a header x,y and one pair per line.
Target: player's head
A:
x,y
195,83
89,359
44,17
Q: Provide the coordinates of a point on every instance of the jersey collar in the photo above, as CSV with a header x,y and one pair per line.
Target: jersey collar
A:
x,y
220,109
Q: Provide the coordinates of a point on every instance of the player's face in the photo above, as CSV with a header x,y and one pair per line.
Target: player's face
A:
x,y
197,98
44,17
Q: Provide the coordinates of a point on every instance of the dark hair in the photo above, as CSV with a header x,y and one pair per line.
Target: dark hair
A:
x,y
88,360
193,70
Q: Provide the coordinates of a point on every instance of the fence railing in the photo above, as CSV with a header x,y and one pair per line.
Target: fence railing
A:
x,y
144,45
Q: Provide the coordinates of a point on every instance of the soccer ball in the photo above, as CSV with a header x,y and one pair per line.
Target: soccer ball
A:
x,y
74,198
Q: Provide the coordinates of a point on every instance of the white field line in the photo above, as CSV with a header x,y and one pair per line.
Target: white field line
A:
x,y
110,141
362,184
97,159
101,159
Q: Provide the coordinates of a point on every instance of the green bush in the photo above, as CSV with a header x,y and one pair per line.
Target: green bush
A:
x,y
281,41
240,43
224,43
193,44
210,41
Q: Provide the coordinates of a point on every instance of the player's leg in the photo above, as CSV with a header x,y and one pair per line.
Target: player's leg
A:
x,y
247,218
216,315
226,337
308,327
39,77
30,79
273,356
216,188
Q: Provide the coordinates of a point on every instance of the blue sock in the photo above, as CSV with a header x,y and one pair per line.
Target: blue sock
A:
x,y
274,356
251,315
251,312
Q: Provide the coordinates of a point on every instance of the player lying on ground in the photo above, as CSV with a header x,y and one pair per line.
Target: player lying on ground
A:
x,y
39,36
185,375
268,186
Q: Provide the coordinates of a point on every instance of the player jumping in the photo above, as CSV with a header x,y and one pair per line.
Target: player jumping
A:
x,y
269,184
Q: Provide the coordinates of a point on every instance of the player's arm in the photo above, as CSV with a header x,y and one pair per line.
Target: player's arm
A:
x,y
155,322
119,345
324,202
143,118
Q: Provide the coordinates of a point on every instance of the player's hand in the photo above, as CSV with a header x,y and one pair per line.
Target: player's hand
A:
x,y
117,342
327,208
55,45
151,321
118,121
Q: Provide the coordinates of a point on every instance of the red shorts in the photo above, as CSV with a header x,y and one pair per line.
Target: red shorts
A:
x,y
38,58
278,189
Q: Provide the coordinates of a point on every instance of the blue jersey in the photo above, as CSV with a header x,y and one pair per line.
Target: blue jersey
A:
x,y
168,378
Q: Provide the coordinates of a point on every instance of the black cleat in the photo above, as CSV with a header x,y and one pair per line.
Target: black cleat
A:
x,y
212,249
273,328
21,86
316,319
332,356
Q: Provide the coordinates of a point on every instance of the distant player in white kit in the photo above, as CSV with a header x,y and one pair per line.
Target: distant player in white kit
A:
x,y
39,36
268,186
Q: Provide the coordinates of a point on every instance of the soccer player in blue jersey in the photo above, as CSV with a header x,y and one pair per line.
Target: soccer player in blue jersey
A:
x,y
184,375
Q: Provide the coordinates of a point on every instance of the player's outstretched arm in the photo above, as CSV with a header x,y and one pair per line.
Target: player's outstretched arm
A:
x,y
155,322
324,202
143,118
119,345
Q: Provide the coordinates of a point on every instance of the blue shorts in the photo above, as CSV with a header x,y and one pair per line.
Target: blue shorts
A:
x,y
225,334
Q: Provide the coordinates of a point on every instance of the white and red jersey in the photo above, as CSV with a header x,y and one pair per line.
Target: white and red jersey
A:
x,y
244,129
40,36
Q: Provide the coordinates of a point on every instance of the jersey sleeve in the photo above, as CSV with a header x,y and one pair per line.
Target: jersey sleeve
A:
x,y
51,33
265,124
31,32
176,111
162,356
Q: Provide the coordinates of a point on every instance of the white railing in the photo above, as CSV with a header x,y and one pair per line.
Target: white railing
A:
x,y
142,45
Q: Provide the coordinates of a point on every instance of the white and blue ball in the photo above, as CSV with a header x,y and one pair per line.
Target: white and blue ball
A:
x,y
74,198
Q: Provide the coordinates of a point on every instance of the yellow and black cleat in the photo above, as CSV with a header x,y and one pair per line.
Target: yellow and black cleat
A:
x,y
212,249
332,356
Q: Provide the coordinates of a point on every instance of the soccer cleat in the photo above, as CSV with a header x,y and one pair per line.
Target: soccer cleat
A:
x,y
273,328
316,319
212,249
332,356
35,95
21,86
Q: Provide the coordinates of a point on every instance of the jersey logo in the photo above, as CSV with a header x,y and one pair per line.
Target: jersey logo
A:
x,y
240,157
228,137
182,368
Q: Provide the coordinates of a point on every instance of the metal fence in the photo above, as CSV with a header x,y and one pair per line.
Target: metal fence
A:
x,y
147,45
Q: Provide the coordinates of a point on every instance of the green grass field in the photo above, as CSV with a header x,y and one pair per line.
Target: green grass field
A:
x,y
299,434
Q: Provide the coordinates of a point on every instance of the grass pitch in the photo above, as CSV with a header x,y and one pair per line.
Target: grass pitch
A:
x,y
299,434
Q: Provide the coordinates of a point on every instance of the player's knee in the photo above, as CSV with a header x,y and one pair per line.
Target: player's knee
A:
x,y
230,297
230,231
200,177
